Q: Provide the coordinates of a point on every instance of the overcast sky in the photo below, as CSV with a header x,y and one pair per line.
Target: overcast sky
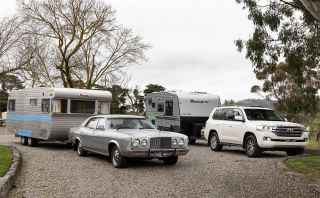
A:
x,y
192,44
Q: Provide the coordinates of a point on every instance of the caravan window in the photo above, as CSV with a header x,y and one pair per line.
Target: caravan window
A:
x,y
169,108
34,102
12,105
60,106
81,106
160,107
45,105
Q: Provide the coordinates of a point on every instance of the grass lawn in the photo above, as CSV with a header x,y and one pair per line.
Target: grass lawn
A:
x,y
313,144
5,160
308,165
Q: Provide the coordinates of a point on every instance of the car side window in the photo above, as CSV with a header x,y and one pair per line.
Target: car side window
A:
x,y
92,123
101,125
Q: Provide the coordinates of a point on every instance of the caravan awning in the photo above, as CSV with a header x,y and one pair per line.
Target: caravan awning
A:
x,y
313,6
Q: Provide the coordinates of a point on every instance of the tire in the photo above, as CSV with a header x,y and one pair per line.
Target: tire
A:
x,y
192,140
251,146
117,160
214,142
80,151
170,160
293,152
24,140
33,142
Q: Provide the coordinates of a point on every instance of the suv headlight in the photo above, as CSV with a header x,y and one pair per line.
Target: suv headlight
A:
x,y
264,128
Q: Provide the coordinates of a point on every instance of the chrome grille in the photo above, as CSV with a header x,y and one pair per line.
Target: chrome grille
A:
x,y
160,143
287,131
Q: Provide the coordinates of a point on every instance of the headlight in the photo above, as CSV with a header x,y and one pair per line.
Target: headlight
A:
x,y
174,142
144,142
264,128
136,142
181,142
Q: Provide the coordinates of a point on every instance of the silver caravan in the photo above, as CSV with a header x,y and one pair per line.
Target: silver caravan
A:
x,y
48,113
184,112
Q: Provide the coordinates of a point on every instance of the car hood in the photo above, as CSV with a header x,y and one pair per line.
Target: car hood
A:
x,y
275,123
149,133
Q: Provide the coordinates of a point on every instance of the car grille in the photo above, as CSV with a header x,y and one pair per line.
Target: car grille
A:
x,y
286,131
160,143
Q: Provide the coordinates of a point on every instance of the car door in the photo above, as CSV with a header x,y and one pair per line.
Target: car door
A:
x,y
226,125
100,137
87,132
236,128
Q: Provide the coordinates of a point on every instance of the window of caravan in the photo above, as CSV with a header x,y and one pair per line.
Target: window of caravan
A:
x,y
60,106
45,105
103,108
169,108
34,102
160,107
12,105
81,106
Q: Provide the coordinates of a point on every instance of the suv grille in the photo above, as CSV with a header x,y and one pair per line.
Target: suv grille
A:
x,y
160,143
287,131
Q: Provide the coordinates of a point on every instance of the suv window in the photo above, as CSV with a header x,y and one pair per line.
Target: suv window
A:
x,y
226,114
218,115
92,123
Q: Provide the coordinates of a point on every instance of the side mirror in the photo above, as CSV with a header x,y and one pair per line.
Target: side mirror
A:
x,y
239,118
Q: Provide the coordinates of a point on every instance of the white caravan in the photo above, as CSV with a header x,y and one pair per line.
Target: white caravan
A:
x,y
178,111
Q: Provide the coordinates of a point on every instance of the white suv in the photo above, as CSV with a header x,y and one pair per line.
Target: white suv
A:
x,y
255,129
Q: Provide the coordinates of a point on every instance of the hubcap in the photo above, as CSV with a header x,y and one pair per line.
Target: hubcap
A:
x,y
116,157
250,146
213,141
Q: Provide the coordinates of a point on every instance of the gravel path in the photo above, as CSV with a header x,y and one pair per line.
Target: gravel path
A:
x,y
52,170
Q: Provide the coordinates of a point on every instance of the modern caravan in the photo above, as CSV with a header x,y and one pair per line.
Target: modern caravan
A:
x,y
48,113
178,111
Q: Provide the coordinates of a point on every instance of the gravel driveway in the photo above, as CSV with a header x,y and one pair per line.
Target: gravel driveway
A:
x,y
53,170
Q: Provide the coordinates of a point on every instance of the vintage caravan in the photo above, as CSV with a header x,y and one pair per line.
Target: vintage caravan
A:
x,y
48,113
178,111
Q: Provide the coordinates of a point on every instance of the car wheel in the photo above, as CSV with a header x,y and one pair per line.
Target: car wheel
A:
x,y
192,140
251,146
118,161
33,142
170,160
80,151
293,152
214,142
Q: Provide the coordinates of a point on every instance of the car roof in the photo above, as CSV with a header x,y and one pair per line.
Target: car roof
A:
x,y
244,107
119,116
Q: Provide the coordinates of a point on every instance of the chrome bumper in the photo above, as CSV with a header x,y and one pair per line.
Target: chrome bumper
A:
x,y
155,153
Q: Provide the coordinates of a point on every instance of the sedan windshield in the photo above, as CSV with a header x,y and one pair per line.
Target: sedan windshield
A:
x,y
263,114
130,123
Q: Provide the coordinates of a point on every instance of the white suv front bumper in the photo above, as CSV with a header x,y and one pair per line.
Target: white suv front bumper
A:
x,y
269,140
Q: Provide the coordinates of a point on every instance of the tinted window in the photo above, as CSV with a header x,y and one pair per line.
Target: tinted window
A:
x,y
92,123
262,114
45,105
169,108
160,107
218,115
79,106
12,105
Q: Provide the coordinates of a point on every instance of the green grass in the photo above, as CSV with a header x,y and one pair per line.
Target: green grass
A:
x,y
313,144
5,160
308,165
